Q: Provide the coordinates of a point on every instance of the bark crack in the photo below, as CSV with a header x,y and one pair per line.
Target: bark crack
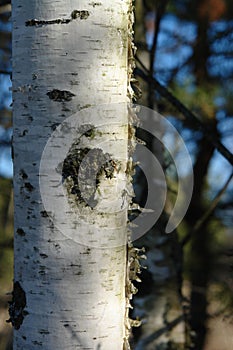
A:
x,y
76,14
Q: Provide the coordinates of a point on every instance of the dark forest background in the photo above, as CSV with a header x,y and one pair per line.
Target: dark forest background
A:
x,y
184,66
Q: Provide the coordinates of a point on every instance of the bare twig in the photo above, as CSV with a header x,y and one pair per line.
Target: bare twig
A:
x,y
4,72
161,6
205,216
155,335
194,121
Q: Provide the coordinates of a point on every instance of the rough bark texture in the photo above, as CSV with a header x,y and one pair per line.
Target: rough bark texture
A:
x,y
68,56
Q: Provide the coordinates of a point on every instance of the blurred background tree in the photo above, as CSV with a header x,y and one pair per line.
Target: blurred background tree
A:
x,y
184,63
185,69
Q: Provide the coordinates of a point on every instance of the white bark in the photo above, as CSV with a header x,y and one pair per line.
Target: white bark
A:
x,y
75,293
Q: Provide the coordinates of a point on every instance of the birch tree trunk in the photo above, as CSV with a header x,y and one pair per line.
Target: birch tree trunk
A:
x,y
70,252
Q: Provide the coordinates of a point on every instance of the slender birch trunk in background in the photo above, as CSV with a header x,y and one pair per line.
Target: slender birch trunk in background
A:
x,y
68,56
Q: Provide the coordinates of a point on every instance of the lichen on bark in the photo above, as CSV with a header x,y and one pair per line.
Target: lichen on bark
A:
x,y
82,171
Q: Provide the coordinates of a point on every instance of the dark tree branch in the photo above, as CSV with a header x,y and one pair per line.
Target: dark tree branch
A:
x,y
159,14
5,143
4,72
161,6
169,326
194,121
205,216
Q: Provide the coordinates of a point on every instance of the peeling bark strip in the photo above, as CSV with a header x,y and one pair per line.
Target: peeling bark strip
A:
x,y
134,255
81,14
16,306
60,95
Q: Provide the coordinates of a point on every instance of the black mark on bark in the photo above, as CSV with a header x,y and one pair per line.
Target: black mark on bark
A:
x,y
94,4
28,186
20,232
80,14
87,130
24,133
60,95
40,23
76,14
44,256
44,214
87,251
54,126
23,174
35,342
17,306
44,331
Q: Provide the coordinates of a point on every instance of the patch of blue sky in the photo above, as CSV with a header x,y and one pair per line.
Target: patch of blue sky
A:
x,y
187,137
220,62
179,28
173,47
6,26
6,165
5,134
223,44
220,66
175,59
5,93
220,27
173,28
220,101
218,173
